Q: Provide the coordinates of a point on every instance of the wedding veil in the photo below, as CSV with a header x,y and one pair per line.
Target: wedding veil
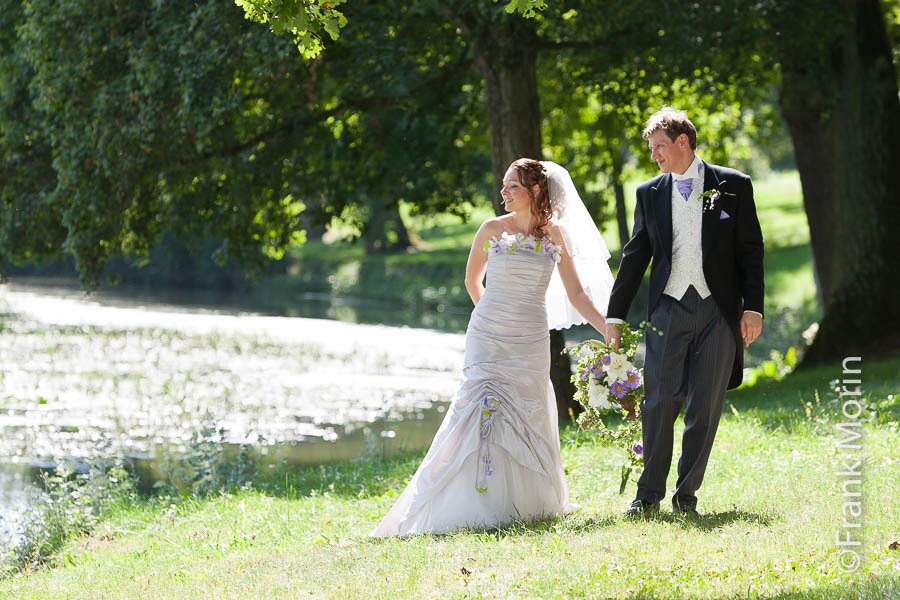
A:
x,y
583,242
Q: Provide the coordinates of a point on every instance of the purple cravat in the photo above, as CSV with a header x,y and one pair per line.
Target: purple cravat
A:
x,y
684,187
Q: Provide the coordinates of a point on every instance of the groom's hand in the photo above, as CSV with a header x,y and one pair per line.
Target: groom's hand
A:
x,y
613,336
751,327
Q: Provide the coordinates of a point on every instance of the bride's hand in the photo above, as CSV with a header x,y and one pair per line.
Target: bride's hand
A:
x,y
603,329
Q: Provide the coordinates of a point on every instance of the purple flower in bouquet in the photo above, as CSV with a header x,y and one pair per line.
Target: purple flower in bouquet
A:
x,y
594,371
633,380
605,359
618,390
638,448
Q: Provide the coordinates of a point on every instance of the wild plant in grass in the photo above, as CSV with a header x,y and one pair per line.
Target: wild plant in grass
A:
x,y
208,466
68,502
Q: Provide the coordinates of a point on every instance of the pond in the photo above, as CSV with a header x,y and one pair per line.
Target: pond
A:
x,y
137,377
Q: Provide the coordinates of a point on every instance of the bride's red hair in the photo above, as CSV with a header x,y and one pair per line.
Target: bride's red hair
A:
x,y
532,173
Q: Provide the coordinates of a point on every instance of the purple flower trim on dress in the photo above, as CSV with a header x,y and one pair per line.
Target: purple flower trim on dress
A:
x,y
523,243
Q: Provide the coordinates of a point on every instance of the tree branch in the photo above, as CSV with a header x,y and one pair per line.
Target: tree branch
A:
x,y
465,27
367,103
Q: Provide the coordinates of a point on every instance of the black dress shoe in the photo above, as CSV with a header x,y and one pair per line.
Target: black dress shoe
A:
x,y
641,508
684,509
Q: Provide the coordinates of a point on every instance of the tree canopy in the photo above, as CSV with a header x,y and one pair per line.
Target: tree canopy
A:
x,y
122,122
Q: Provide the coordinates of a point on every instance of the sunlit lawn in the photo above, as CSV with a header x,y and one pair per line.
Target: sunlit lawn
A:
x,y
770,513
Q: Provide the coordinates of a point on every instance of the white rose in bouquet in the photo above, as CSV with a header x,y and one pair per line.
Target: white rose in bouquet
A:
x,y
598,395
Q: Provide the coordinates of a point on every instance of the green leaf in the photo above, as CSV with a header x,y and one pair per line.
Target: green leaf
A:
x,y
790,357
332,26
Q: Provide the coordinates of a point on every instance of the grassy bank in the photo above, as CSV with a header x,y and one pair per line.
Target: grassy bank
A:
x,y
771,510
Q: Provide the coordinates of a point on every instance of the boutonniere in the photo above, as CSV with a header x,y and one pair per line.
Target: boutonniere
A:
x,y
710,197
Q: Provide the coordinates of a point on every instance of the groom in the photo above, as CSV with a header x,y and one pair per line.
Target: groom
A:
x,y
696,225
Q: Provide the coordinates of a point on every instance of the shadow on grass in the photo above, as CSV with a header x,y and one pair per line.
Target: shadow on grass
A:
x,y
522,528
574,525
554,524
713,521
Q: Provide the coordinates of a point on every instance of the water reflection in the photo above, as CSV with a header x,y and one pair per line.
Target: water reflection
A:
x,y
139,378
428,315
14,482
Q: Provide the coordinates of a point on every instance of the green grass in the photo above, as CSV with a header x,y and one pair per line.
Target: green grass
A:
x,y
770,512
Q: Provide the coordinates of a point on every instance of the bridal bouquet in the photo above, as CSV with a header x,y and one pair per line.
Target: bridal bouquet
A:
x,y
606,380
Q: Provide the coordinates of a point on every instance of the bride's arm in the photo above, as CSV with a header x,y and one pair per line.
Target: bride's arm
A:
x,y
574,290
477,263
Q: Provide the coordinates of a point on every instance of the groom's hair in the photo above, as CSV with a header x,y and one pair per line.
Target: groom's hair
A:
x,y
674,122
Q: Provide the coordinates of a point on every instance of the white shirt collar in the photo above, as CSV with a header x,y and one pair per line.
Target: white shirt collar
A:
x,y
693,171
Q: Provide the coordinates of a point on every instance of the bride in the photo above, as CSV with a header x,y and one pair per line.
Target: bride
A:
x,y
495,458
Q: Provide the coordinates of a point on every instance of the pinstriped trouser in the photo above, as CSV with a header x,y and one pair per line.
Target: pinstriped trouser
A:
x,y
691,362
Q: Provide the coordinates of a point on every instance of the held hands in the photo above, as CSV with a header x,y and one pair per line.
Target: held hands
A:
x,y
613,336
751,327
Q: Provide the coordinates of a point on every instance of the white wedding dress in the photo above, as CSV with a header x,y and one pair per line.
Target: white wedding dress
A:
x,y
495,458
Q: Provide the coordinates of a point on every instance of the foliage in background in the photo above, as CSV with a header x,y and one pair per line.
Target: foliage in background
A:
x,y
777,367
125,124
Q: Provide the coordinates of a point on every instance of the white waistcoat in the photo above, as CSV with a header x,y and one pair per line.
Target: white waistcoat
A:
x,y
687,253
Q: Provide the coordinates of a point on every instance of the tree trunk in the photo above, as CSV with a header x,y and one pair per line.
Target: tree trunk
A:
x,y
621,214
398,227
510,76
843,112
384,222
506,56
802,108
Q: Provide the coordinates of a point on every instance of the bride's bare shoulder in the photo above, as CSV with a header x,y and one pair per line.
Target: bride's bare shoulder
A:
x,y
493,226
556,233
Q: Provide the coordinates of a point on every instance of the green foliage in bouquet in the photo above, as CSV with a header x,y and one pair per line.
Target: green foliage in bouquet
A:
x,y
606,380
